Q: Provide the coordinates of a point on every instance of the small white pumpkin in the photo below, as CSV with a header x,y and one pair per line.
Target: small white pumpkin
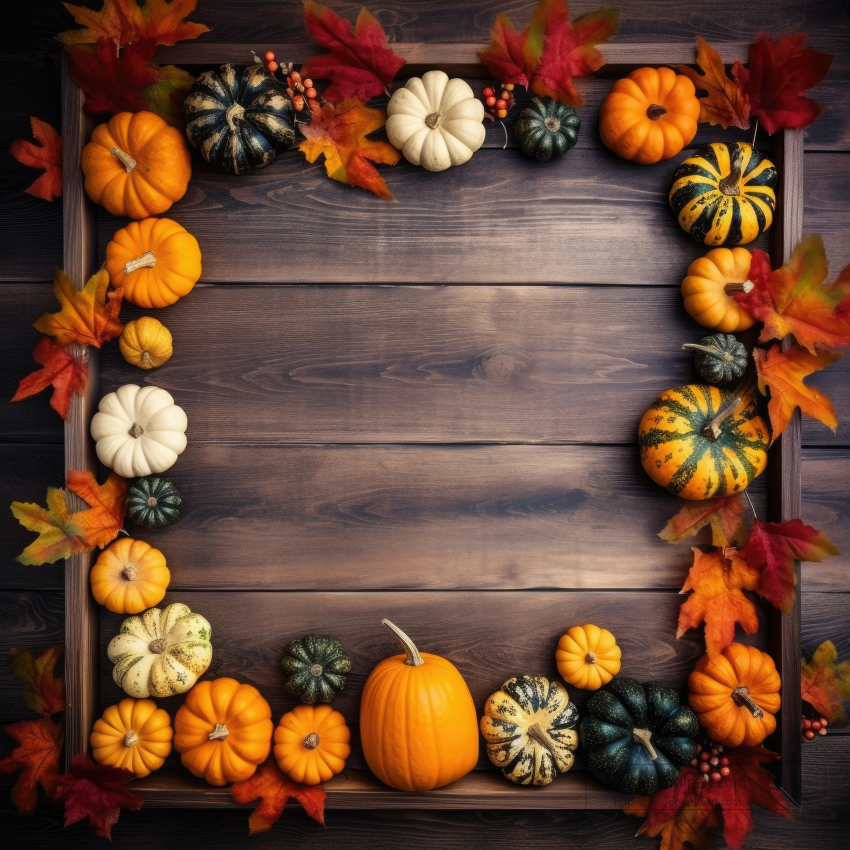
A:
x,y
160,652
435,121
139,431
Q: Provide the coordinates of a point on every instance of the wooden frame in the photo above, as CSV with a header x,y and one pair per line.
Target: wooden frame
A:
x,y
358,789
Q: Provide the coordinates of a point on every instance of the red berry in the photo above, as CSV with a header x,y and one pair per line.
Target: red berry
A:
x,y
808,734
816,724
715,776
271,67
298,103
822,731
501,104
488,92
290,91
705,767
705,755
506,95
296,77
308,83
491,101
725,771
807,724
714,761
823,721
724,760
269,56
311,93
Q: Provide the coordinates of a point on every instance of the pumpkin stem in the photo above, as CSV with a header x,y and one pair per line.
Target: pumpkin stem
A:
x,y
146,360
590,658
128,161
136,431
219,732
539,736
642,736
655,111
316,670
414,659
152,501
433,120
157,645
552,124
311,741
738,398
729,185
741,696
129,573
234,112
693,346
146,261
743,286
130,739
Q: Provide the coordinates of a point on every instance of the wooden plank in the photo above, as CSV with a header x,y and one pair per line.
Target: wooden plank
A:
x,y
825,618
78,248
418,364
32,619
589,218
26,471
414,517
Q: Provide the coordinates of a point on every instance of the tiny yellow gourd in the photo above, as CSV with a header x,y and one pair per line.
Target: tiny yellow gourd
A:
x,y
146,343
588,657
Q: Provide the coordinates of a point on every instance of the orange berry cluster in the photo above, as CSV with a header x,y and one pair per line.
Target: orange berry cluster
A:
x,y
710,763
817,726
301,91
499,99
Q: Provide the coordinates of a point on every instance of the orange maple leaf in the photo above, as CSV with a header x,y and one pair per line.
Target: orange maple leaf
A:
x,y
275,789
62,533
62,370
825,683
44,691
725,102
792,299
47,155
783,372
37,756
718,580
124,21
87,317
340,134
724,514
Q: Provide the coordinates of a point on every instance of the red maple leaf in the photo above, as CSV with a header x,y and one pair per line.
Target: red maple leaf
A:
x,y
65,372
96,791
47,155
360,64
44,691
37,757
780,72
724,514
825,683
550,52
772,549
275,789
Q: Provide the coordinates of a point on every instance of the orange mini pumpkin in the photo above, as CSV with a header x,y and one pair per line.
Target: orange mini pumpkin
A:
x,y
710,286
311,743
223,731
588,657
418,723
129,576
136,165
650,115
134,735
735,695
155,261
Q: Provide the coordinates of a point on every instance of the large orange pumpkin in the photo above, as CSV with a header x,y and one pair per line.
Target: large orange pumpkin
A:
x,y
223,730
418,724
650,115
136,165
134,735
311,743
735,695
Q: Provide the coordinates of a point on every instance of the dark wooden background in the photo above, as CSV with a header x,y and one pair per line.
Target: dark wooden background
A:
x,y
564,370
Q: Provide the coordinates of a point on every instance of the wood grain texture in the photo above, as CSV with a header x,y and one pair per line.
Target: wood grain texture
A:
x,y
395,517
28,618
418,364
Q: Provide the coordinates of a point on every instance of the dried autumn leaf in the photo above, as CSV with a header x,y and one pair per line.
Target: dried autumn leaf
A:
x,y
340,134
37,757
360,64
44,691
62,533
550,52
772,549
783,372
725,102
275,789
725,514
96,791
718,580
825,683
791,300
87,317
780,72
47,155
65,372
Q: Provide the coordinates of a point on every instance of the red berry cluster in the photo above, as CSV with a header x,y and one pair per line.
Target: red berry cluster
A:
x,y
710,763
499,99
817,726
301,91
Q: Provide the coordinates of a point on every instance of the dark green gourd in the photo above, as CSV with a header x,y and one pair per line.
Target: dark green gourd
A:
x,y
154,502
546,130
316,665
719,358
239,117
638,735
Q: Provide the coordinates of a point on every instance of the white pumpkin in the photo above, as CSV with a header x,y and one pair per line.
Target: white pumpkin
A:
x,y
435,122
139,431
160,652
